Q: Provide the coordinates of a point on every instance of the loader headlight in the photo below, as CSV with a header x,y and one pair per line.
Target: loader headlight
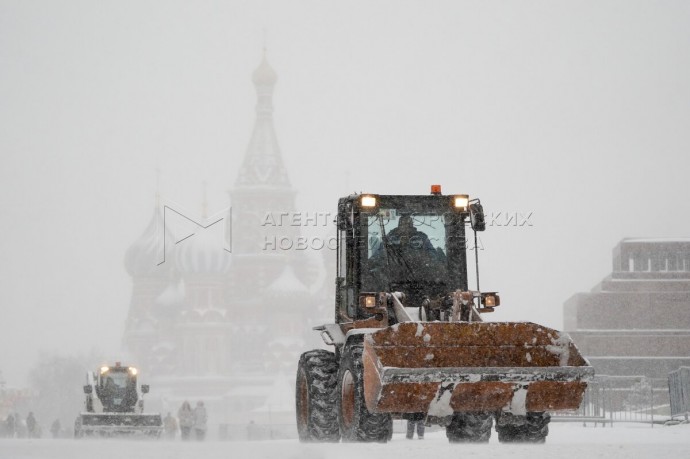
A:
x,y
460,202
104,370
368,201
491,300
133,371
368,301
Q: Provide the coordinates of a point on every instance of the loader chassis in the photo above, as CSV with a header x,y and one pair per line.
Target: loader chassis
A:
x,y
409,341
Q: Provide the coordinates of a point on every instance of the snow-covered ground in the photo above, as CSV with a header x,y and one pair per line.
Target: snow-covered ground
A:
x,y
565,441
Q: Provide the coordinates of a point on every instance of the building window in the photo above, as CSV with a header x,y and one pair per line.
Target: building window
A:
x,y
678,262
641,263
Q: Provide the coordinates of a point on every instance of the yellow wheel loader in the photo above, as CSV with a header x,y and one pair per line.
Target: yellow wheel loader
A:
x,y
409,340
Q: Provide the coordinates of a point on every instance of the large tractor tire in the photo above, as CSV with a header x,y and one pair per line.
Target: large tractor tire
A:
x,y
531,428
470,428
316,397
357,424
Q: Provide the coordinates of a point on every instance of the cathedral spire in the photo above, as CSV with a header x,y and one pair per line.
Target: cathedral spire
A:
x,y
263,165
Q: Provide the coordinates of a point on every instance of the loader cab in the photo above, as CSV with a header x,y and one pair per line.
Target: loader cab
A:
x,y
411,244
116,388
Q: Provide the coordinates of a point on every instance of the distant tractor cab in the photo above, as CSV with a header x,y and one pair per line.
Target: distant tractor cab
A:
x,y
408,337
117,407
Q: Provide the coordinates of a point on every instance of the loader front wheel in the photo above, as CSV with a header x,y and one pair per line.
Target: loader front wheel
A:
x,y
357,424
469,428
316,395
531,428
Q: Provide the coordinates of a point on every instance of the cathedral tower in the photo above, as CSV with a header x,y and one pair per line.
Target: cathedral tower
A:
x,y
262,186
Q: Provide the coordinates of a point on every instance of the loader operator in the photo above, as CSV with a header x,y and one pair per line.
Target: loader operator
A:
x,y
406,260
117,392
406,236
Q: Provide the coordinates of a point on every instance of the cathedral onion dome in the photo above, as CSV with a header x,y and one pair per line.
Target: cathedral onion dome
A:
x,y
264,75
145,257
203,253
287,284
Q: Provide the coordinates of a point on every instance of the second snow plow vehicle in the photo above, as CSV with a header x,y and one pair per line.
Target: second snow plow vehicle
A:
x,y
410,342
114,407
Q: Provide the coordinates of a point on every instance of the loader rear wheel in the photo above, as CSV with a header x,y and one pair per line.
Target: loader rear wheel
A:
x,y
357,424
469,428
316,395
531,428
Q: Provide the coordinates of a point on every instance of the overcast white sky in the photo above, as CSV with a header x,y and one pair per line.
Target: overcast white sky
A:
x,y
578,112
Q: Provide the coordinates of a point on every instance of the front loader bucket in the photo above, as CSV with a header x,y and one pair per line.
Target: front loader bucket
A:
x,y
442,367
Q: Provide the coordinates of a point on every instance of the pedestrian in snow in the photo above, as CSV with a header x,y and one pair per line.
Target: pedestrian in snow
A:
x,y
55,428
31,427
200,418
170,425
186,417
10,426
416,420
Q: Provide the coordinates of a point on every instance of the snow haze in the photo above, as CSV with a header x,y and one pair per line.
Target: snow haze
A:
x,y
573,113
564,441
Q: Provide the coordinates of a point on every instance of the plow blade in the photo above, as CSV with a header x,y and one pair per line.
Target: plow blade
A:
x,y
440,368
120,424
